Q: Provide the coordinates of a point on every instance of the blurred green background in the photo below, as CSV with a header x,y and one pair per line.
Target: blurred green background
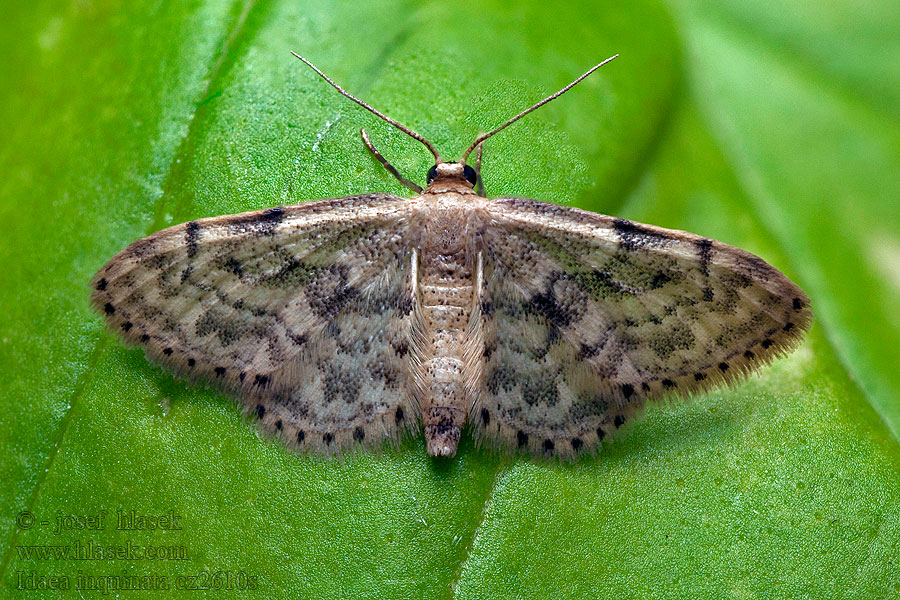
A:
x,y
769,125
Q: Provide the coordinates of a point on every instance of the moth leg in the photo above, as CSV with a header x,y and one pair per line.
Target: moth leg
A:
x,y
479,184
391,169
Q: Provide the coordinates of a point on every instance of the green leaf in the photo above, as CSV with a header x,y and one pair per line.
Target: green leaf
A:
x,y
763,125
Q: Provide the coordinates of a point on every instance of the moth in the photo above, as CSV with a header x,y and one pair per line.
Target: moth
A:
x,y
349,321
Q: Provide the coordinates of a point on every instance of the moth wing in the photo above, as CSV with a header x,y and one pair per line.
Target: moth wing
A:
x,y
301,311
587,317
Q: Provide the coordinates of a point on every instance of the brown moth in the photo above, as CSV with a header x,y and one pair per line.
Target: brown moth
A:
x,y
546,328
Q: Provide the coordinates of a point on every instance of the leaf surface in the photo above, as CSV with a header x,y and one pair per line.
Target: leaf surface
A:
x,y
731,120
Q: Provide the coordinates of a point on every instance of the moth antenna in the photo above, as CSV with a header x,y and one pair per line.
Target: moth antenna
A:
x,y
481,138
387,119
391,168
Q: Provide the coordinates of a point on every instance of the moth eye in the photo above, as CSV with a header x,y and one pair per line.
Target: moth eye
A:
x,y
432,173
470,175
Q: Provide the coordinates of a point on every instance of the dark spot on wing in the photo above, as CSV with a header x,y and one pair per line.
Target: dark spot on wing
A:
x,y
798,304
788,327
279,425
298,340
749,355
261,380
699,376
600,284
167,352
549,445
546,305
232,265
108,308
659,279
263,223
619,420
220,371
127,325
723,366
145,338
260,411
668,384
600,433
191,362
766,343
101,285
294,273
577,444
485,416
359,434
301,435
633,236
627,390
587,351
540,390
521,438
274,215
325,302
704,253
645,386
405,304
501,378
398,415
328,438
191,237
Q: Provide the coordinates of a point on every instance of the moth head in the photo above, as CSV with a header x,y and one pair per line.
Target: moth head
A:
x,y
452,170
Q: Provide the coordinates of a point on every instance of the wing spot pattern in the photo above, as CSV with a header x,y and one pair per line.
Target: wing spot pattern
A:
x,y
521,438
